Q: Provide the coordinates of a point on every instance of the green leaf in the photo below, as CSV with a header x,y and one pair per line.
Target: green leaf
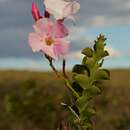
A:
x,y
74,112
90,63
99,46
81,103
92,91
106,53
101,63
75,108
87,126
99,54
84,60
82,80
80,69
77,88
87,113
100,43
88,52
102,74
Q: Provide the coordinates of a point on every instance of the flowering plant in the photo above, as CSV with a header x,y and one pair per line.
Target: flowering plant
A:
x,y
85,84
49,38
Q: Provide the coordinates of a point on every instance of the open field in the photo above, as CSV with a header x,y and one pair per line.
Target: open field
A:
x,y
113,106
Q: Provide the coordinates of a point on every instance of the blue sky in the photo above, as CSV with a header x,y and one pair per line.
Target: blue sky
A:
x,y
109,17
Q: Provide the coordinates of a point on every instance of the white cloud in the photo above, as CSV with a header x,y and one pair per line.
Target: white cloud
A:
x,y
15,23
127,5
113,53
80,36
75,55
103,21
98,21
104,13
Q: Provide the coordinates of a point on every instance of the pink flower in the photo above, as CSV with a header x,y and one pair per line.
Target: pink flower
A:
x,y
35,12
47,38
60,29
61,9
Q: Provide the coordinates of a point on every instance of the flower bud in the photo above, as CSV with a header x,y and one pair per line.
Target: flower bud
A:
x,y
46,14
35,12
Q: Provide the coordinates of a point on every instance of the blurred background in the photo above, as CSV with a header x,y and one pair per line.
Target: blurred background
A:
x,y
17,61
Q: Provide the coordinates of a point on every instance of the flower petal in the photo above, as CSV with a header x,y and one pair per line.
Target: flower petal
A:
x,y
60,47
71,9
49,50
34,42
61,9
44,26
60,29
55,7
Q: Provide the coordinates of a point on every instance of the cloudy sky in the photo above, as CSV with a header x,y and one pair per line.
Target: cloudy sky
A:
x,y
109,17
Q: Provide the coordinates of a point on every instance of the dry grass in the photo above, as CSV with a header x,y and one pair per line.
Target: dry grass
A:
x,y
113,106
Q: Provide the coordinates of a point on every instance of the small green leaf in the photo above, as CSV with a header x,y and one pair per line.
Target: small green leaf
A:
x,y
74,112
88,113
92,91
81,102
87,126
101,63
90,63
99,46
84,60
100,42
88,52
75,108
82,80
99,54
80,69
77,88
106,53
102,74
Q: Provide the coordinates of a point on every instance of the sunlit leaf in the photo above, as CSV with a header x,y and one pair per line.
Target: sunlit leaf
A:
x,y
88,52
82,80
102,74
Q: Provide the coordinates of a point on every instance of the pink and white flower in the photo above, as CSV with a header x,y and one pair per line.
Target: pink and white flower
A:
x,y
49,38
61,9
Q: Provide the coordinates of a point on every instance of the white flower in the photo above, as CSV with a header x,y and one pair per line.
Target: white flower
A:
x,y
61,9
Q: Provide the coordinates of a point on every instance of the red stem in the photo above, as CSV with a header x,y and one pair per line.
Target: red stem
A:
x,y
52,66
64,69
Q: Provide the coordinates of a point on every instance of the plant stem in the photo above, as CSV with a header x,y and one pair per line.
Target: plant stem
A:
x,y
64,77
67,84
63,69
54,69
52,66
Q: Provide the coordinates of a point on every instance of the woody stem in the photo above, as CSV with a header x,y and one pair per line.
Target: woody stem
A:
x,y
63,69
52,66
